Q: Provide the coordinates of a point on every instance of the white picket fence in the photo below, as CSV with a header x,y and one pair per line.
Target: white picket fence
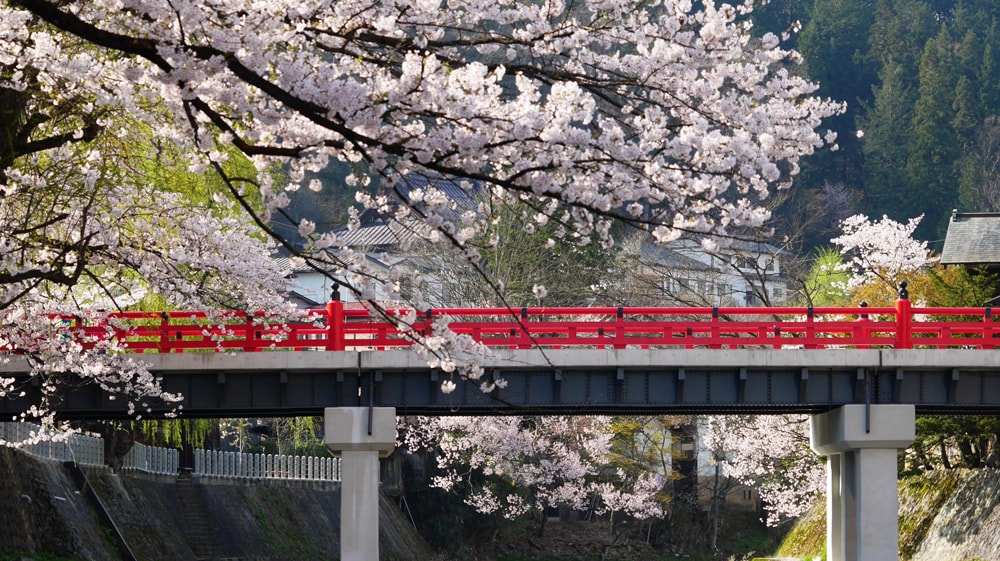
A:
x,y
213,463
152,459
82,449
89,451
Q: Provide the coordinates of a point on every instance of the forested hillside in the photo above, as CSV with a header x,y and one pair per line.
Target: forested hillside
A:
x,y
921,134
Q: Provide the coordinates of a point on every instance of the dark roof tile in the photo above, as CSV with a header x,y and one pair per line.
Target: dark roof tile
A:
x,y
972,238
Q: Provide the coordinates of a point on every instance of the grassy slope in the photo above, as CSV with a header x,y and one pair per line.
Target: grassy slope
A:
x,y
920,500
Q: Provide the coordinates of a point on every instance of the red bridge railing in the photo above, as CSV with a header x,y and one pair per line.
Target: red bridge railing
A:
x,y
337,328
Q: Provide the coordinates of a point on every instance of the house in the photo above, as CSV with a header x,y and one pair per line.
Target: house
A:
x,y
381,240
309,289
973,241
744,273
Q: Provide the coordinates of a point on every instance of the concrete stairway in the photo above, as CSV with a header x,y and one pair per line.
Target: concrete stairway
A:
x,y
198,526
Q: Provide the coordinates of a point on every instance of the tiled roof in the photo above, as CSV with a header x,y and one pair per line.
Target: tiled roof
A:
x,y
972,238
379,233
462,199
666,256
373,236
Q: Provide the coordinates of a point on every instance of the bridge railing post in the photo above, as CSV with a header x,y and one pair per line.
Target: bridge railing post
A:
x,y
335,326
715,334
861,330
251,343
810,329
988,330
904,319
164,332
620,328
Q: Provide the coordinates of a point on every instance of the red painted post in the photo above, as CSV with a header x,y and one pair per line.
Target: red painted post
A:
x,y
164,332
862,331
620,328
715,334
903,319
335,326
810,342
250,343
988,335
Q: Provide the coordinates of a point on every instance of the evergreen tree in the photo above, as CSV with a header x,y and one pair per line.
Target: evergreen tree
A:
x,y
833,43
989,72
934,149
887,127
898,36
966,107
970,55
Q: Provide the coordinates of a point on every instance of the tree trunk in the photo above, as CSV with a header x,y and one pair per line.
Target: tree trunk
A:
x,y
943,446
117,444
969,457
714,509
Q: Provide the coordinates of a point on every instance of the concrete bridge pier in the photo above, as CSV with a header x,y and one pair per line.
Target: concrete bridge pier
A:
x,y
360,435
862,500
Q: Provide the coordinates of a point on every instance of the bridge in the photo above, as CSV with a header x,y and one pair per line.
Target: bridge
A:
x,y
552,361
862,372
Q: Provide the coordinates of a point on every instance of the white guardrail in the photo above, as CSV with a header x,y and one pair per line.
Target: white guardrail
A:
x,y
89,451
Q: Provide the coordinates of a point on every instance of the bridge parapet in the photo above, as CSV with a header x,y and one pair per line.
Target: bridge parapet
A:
x,y
339,328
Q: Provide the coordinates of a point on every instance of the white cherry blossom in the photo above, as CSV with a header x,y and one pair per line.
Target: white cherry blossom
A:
x,y
882,250
668,116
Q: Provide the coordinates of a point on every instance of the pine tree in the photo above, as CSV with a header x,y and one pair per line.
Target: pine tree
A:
x,y
833,44
989,72
934,149
887,127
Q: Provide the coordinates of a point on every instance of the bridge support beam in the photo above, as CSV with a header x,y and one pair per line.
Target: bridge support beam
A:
x,y
862,501
360,435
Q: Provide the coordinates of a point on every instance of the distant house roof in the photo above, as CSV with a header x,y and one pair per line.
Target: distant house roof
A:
x,y
972,239
666,256
461,193
379,232
682,253
374,236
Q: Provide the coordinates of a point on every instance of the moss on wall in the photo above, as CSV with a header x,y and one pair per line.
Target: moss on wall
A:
x,y
921,498
40,510
807,537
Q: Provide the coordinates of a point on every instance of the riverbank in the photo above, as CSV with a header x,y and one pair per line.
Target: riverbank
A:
x,y
43,509
944,515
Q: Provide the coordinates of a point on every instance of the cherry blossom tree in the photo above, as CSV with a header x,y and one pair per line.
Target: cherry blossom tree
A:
x,y
517,467
82,237
666,115
771,453
881,252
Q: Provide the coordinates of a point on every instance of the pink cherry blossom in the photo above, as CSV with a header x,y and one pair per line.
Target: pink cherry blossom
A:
x,y
668,116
